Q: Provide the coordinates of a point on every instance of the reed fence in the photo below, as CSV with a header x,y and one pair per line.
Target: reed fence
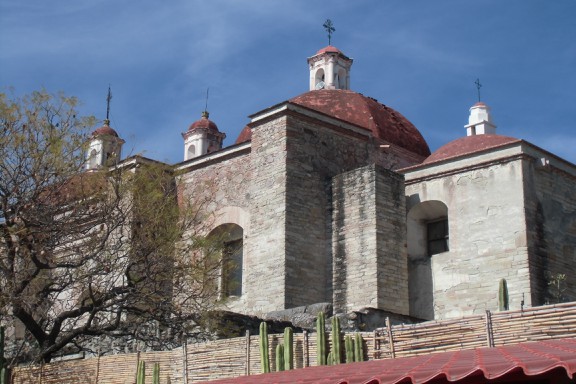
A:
x,y
192,363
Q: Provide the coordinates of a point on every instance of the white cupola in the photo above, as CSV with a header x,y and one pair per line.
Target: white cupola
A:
x,y
329,69
480,121
105,148
202,137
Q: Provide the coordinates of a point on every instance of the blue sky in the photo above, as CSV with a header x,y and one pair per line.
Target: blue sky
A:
x,y
420,57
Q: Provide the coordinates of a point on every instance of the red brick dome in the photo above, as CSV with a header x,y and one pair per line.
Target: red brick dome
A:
x,y
384,122
245,135
467,145
204,123
105,130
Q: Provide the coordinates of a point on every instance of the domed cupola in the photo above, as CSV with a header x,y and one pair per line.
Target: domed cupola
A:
x,y
202,137
105,147
329,69
480,136
480,120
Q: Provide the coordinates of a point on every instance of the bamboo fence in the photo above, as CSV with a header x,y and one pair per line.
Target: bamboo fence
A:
x,y
240,356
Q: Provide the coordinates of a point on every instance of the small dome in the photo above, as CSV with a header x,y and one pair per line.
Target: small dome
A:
x,y
105,130
329,49
384,122
245,135
204,123
467,145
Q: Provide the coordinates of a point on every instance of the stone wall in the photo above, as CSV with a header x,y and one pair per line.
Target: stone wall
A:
x,y
487,237
369,237
220,182
551,221
316,152
264,253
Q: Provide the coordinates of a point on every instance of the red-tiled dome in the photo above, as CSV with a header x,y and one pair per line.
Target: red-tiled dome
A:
x,y
105,130
329,49
203,123
467,145
245,135
384,122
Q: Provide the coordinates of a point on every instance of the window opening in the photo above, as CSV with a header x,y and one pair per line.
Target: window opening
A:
x,y
437,236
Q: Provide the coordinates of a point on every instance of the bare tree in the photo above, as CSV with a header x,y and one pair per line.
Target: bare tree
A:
x,y
114,253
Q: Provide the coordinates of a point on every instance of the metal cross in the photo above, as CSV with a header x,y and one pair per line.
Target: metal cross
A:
x,y
478,86
329,27
108,98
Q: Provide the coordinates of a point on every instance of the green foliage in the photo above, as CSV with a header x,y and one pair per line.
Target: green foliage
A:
x,y
288,348
126,242
141,374
280,358
358,348
349,346
503,300
336,347
321,339
264,354
557,288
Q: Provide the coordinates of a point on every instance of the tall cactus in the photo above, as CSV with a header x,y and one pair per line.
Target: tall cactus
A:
x,y
358,348
280,358
336,340
330,358
264,356
140,377
288,348
503,301
321,339
349,346
156,374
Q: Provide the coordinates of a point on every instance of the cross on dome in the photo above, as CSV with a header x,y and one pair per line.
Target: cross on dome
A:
x,y
329,27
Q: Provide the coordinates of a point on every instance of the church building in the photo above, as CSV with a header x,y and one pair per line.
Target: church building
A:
x,y
332,196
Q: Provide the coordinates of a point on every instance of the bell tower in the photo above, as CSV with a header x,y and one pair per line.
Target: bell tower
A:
x,y
329,69
105,146
202,137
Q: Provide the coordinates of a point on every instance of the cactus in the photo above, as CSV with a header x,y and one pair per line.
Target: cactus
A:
x,y
279,357
503,296
156,374
358,348
288,348
349,346
264,358
330,358
321,339
336,349
140,377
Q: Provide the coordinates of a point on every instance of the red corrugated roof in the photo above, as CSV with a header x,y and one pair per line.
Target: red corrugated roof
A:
x,y
532,359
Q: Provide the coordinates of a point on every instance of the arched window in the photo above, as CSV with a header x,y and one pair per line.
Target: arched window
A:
x,y
428,230
341,84
230,237
319,79
191,151
93,162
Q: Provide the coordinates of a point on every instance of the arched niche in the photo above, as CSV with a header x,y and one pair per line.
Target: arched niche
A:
x,y
319,79
428,234
191,152
230,236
